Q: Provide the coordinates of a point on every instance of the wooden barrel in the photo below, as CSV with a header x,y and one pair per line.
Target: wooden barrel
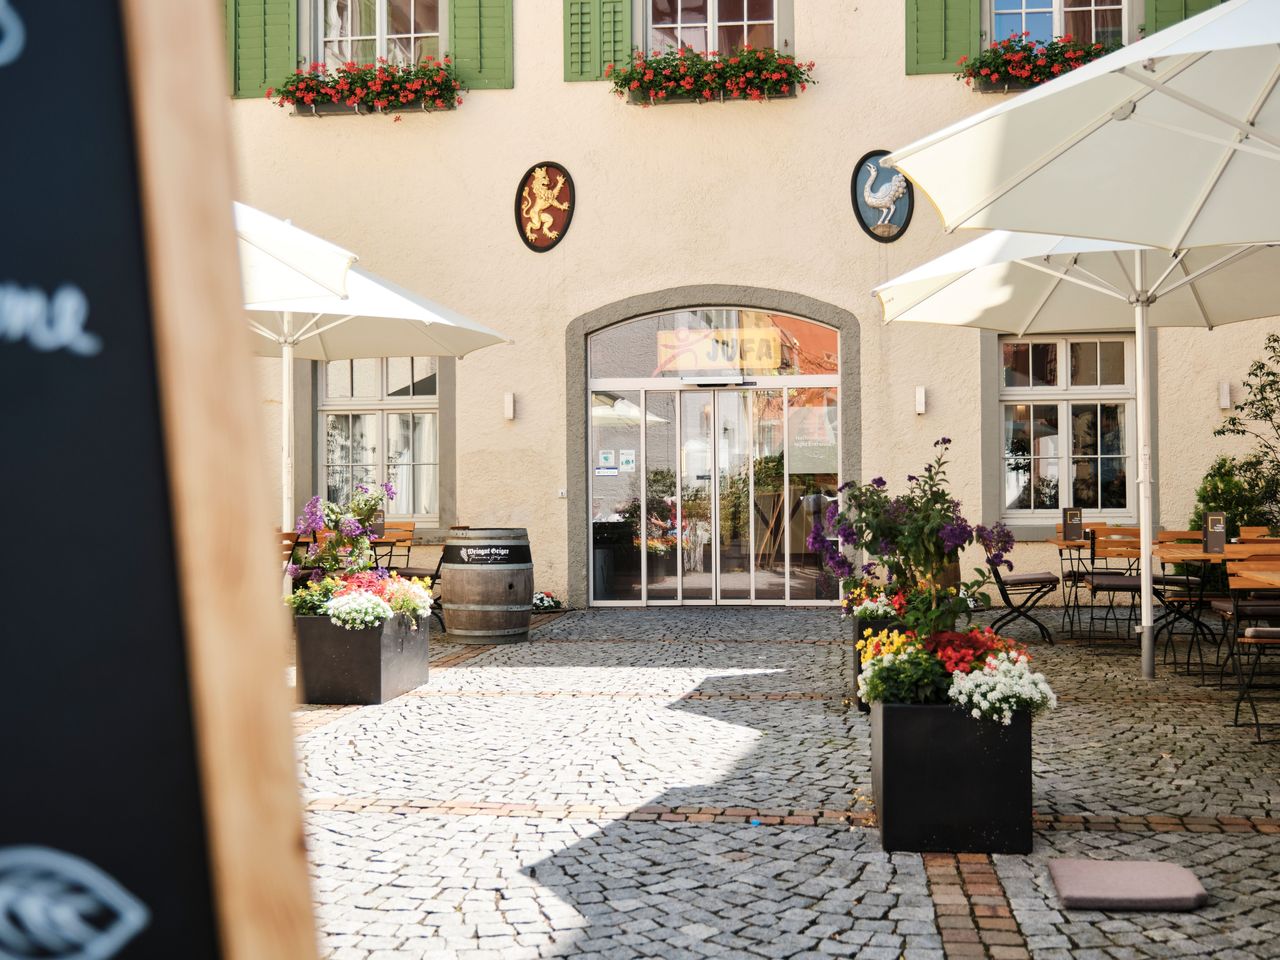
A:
x,y
488,578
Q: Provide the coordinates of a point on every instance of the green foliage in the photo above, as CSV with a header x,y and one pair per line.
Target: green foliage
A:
x,y
913,676
1247,488
310,600
1228,487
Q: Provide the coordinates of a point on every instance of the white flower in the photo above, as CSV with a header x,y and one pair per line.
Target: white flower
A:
x,y
358,609
1002,687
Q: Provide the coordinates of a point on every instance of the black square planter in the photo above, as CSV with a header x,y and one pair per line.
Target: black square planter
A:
x,y
374,665
946,782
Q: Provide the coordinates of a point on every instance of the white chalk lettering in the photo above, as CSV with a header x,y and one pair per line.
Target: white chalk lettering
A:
x,y
46,322
13,35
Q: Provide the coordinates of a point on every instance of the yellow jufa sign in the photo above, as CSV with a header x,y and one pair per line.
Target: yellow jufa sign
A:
x,y
689,351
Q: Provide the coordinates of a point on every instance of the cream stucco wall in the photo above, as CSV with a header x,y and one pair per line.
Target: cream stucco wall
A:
x,y
749,194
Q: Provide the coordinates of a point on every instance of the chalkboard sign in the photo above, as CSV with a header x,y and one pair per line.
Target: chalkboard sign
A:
x,y
148,807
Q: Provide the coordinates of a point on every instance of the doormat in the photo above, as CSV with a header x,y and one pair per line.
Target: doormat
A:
x,y
1126,885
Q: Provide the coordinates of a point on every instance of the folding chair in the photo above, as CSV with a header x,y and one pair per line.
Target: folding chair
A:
x,y
1249,603
1256,640
1020,593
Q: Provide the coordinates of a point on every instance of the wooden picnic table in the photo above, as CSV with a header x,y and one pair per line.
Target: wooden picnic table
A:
x,y
1194,552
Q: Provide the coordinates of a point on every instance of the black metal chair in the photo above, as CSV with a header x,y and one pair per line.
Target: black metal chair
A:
x,y
1020,593
1256,640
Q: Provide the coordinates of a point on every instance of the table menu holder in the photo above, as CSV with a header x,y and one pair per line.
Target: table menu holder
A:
x,y
1072,524
1215,533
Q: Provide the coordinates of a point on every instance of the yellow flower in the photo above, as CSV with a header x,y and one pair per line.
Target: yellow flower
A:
x,y
886,641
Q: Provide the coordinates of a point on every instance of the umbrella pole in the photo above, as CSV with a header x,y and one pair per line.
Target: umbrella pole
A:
x,y
286,427
1145,532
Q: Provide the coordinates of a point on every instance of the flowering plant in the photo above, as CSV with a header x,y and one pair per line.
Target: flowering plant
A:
x,y
432,84
341,535
543,600
916,536
867,600
331,596
745,74
1020,59
977,669
1004,685
358,610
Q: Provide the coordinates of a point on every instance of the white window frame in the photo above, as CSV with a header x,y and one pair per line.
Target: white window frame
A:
x,y
316,8
783,18
1063,394
1059,16
380,406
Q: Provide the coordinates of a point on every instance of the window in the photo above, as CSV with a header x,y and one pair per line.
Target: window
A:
x,y
723,25
403,31
379,421
1066,409
1091,21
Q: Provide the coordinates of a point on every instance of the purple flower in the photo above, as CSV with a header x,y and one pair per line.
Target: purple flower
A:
x,y
833,511
316,575
868,569
389,490
956,534
361,488
911,478
382,573
997,541
350,527
885,548
942,442
846,533
292,570
312,519
879,483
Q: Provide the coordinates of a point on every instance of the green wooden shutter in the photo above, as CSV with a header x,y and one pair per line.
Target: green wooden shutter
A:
x,y
596,34
1165,13
480,43
262,39
940,32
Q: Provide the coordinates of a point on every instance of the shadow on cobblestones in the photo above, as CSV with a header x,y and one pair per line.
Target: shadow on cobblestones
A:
x,y
683,885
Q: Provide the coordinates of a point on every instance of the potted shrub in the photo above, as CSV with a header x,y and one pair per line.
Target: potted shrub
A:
x,y
687,76
361,637
1019,63
951,740
949,709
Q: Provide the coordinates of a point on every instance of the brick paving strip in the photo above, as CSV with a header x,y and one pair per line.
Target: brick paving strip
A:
x,y
974,916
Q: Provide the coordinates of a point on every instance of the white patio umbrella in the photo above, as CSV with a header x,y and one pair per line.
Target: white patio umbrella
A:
x,y
1025,283
1173,142
375,319
279,261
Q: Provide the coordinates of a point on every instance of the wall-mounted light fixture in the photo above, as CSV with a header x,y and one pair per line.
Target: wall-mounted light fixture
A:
x,y
1224,395
509,406
921,404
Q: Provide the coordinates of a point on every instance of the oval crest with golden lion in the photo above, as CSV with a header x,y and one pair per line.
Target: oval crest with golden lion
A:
x,y
544,205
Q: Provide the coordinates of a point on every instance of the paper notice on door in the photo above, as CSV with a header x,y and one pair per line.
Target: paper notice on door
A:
x,y
627,461
608,458
606,471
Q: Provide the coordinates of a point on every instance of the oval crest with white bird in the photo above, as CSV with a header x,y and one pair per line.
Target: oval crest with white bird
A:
x,y
883,199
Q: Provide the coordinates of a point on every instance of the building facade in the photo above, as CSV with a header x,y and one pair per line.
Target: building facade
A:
x,y
698,362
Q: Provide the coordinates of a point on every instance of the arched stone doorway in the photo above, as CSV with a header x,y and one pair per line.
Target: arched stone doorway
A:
x,y
707,428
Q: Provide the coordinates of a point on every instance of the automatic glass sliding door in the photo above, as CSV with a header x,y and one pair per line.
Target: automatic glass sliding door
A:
x,y
709,495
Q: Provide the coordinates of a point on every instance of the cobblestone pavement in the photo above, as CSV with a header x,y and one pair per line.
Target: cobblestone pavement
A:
x,y
689,783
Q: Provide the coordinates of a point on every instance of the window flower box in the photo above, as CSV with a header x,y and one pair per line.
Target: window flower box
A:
x,y
380,87
687,76
1020,63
